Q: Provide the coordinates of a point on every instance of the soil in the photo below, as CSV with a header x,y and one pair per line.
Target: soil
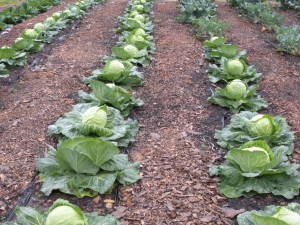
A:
x,y
8,37
46,90
175,142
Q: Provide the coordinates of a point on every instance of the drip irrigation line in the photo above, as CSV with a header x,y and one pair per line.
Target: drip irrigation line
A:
x,y
24,198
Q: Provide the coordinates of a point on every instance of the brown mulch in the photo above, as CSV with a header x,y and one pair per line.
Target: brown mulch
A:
x,y
279,86
8,37
46,91
174,142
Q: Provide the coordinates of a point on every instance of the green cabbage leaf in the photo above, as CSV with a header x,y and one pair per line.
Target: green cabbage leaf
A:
x,y
113,95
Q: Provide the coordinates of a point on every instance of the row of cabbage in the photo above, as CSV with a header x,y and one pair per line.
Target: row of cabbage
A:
x,y
26,10
34,40
258,144
290,4
257,11
87,160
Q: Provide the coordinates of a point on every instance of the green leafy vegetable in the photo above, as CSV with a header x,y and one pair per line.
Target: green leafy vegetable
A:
x,y
237,96
272,215
226,72
73,124
256,168
85,167
248,126
111,94
62,212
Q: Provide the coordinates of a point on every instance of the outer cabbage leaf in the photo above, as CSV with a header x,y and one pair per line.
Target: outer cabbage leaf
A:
x,y
81,185
241,130
117,97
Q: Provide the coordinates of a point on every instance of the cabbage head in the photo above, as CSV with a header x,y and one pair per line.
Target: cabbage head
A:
x,y
236,89
39,27
65,213
139,8
131,50
134,13
140,32
50,21
31,33
56,15
264,125
94,116
132,39
235,67
140,18
115,68
253,156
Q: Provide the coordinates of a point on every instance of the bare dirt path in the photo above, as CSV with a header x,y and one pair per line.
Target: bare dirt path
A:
x,y
10,36
174,140
279,86
47,91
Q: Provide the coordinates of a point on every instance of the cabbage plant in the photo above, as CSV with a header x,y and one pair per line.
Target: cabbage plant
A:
x,y
216,48
254,168
62,212
230,69
88,120
249,126
272,215
85,167
131,54
110,94
237,95
129,77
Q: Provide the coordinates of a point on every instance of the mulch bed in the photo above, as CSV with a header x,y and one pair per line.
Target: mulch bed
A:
x,y
175,143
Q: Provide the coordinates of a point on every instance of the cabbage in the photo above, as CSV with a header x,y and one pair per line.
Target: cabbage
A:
x,y
50,21
114,67
287,216
140,18
139,8
236,89
235,67
68,12
139,32
64,213
133,14
31,33
39,27
56,15
264,125
132,39
131,50
94,116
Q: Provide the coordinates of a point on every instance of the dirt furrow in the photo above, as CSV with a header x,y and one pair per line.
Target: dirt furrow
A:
x,y
174,142
46,91
8,37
